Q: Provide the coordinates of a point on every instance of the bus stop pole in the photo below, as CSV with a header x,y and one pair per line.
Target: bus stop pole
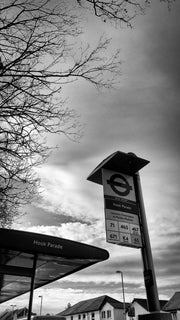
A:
x,y
149,273
32,287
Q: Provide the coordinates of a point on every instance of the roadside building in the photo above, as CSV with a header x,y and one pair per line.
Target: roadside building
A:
x,y
173,306
100,308
140,306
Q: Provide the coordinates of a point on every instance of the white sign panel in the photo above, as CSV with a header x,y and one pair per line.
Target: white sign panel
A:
x,y
121,212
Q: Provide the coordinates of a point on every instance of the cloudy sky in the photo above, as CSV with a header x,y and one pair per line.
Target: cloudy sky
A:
x,y
141,116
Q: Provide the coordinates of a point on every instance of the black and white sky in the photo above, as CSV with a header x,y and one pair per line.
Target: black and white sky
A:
x,y
142,116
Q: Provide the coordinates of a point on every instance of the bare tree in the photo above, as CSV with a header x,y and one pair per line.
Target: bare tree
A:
x,y
37,38
119,11
37,59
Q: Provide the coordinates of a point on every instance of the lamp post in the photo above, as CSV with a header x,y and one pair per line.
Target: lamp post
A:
x,y
122,282
13,306
13,313
41,297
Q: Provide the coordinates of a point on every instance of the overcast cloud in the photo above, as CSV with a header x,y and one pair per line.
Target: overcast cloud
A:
x,y
141,116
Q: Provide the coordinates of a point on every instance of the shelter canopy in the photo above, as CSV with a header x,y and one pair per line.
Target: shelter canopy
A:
x,y
24,255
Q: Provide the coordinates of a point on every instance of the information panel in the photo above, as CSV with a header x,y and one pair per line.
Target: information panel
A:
x,y
121,211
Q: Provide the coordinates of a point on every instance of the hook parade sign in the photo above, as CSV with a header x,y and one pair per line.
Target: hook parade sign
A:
x,y
121,211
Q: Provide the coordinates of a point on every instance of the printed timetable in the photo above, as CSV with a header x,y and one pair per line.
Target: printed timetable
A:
x,y
123,229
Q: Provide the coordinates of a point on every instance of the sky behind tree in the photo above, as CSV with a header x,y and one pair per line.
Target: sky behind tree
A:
x,y
141,116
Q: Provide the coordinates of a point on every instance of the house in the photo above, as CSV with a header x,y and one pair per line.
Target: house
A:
x,y
173,306
100,308
139,306
19,314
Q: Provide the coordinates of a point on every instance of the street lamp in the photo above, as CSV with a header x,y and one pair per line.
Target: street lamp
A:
x,y
13,306
13,313
40,304
124,304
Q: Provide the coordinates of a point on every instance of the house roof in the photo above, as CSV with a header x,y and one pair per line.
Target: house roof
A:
x,y
143,303
173,304
94,304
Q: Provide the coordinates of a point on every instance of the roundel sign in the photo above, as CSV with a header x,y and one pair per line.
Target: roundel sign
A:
x,y
118,185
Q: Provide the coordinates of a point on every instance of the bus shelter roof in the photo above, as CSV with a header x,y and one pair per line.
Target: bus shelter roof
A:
x,y
55,258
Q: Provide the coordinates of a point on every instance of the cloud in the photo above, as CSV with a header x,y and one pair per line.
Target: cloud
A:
x,y
141,116
76,231
102,278
164,49
66,194
38,213
54,299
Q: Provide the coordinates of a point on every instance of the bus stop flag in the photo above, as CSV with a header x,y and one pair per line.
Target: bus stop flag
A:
x,y
121,210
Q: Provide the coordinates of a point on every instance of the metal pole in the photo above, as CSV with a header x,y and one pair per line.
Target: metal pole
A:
x,y
14,316
13,306
32,288
149,273
124,304
40,305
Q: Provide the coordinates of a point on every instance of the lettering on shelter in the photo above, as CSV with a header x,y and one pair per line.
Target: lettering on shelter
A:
x,y
47,244
121,211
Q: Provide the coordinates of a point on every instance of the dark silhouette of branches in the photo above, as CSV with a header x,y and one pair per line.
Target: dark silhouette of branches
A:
x,y
37,38
37,60
119,11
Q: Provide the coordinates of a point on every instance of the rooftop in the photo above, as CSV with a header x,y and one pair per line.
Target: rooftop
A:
x,y
91,305
173,304
143,303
